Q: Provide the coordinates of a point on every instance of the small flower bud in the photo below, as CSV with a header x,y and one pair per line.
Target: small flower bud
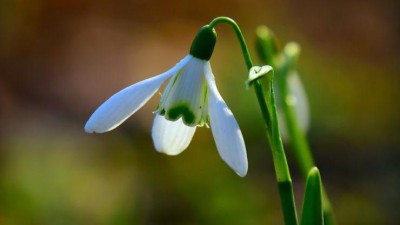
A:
x,y
266,45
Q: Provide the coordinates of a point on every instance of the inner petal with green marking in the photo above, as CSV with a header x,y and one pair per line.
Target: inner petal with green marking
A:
x,y
184,96
181,110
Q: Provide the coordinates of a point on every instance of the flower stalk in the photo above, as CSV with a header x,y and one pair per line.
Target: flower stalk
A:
x,y
265,95
284,64
297,136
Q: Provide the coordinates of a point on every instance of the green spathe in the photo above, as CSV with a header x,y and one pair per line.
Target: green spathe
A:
x,y
204,42
181,110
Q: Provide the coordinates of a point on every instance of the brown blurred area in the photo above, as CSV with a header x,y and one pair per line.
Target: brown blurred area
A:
x,y
60,59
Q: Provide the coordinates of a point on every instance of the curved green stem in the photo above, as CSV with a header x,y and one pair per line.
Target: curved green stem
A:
x,y
239,35
266,100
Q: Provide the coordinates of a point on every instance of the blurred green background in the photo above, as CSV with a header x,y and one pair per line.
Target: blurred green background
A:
x,y
59,60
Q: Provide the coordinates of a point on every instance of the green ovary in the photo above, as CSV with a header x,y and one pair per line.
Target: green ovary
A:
x,y
182,110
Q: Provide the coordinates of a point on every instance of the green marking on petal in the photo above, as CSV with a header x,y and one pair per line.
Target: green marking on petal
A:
x,y
181,110
159,110
162,112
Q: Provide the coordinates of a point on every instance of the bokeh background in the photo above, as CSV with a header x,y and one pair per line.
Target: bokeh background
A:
x,y
59,60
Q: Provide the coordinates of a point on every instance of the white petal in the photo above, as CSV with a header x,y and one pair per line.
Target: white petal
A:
x,y
299,99
123,104
185,97
171,137
225,129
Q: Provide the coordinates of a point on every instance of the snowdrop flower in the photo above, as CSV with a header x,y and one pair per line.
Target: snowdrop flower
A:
x,y
297,98
190,99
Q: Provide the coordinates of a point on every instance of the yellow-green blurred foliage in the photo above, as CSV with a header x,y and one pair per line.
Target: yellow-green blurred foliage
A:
x,y
60,59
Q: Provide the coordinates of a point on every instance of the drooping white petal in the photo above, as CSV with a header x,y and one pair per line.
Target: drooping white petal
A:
x,y
171,137
225,129
299,99
123,104
296,98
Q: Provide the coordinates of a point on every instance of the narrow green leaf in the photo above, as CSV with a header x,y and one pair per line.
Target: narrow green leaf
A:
x,y
312,205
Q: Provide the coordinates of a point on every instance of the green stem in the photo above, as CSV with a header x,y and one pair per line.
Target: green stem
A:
x,y
239,35
299,143
297,137
266,101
